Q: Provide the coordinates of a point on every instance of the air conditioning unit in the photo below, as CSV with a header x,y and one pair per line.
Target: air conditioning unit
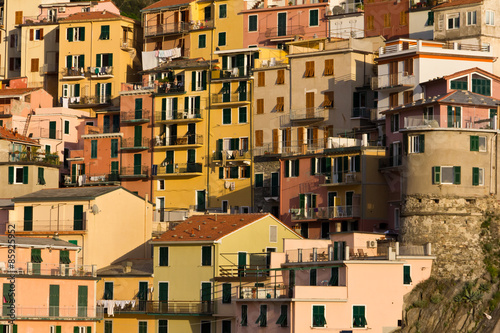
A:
x,y
371,244
62,9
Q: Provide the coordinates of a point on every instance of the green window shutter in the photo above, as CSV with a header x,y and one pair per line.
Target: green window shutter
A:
x,y
450,116
318,316
287,168
110,59
93,149
313,274
174,104
108,89
191,156
25,175
259,180
436,175
98,58
77,94
297,163
89,329
206,291
252,23
78,217
75,329
359,319
475,176
474,143
66,126
58,329
115,168
81,61
114,148
313,166
193,81
186,102
69,61
233,171
244,315
202,41
28,219
313,17
456,175
334,278
98,89
226,116
302,201
226,293
14,328
108,290
41,176
164,256
54,300
69,34
197,106
224,62
11,175
493,113
138,104
357,161
137,136
221,172
82,34
204,80
222,39
223,11
247,171
421,143
406,275
163,106
242,114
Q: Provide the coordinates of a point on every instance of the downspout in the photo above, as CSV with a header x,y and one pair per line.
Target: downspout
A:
x,y
152,149
209,107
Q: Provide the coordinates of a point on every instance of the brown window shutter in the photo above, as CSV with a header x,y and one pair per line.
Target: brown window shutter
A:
x,y
260,106
31,34
315,136
261,79
259,138
19,17
41,34
310,100
300,135
281,77
275,141
34,65
329,98
288,135
280,104
328,66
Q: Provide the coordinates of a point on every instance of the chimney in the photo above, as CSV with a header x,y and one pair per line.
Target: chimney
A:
x,y
128,267
15,131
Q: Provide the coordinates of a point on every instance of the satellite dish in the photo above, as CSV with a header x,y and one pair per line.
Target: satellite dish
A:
x,y
95,209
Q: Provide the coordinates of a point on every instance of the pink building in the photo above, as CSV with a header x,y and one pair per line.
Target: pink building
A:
x,y
273,25
323,284
53,292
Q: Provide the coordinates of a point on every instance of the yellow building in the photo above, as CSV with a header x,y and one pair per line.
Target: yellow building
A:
x,y
122,291
194,260
96,54
108,222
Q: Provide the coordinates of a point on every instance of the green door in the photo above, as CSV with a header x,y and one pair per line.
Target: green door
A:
x,y
242,262
138,108
163,296
274,184
54,300
200,201
169,161
78,217
82,301
206,291
52,130
138,136
281,24
28,218
143,295
137,164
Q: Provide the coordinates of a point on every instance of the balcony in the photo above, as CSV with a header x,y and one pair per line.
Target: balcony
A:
x,y
234,73
422,122
180,307
43,269
135,143
394,82
281,33
237,271
232,155
53,312
390,162
307,115
324,213
87,100
315,254
230,98
179,116
133,86
135,117
361,112
137,171
178,142
350,178
92,179
101,129
50,226
290,148
34,158
265,292
177,28
73,73
164,88
127,44
104,72
166,215
179,169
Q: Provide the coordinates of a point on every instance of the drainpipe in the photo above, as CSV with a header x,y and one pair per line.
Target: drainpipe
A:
x,y
209,107
152,149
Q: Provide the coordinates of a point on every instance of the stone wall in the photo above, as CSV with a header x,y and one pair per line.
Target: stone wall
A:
x,y
453,226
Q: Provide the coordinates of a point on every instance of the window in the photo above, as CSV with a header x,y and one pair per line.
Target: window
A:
x,y
446,175
273,234
334,276
471,18
477,143
280,104
358,316
292,168
313,273
459,84
66,127
104,59
416,144
34,65
283,318
244,315
406,274
318,316
261,79
93,149
329,99
408,66
453,21
114,148
408,97
15,64
19,17
143,327
313,17
477,176
18,175
198,80
226,326
387,20
396,218
430,18
395,122
393,100
242,115
490,17
202,41
71,90
75,61
260,106
41,177
328,67
252,23
259,180
259,138
108,326
162,326
108,290
454,116
75,34
163,256
262,319
245,172
226,293
104,32
222,39
481,86
369,22
161,185
281,76
403,18
13,40
226,116
492,113
223,11
309,69
206,256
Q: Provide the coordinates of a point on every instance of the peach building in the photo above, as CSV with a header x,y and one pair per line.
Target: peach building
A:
x,y
322,284
53,291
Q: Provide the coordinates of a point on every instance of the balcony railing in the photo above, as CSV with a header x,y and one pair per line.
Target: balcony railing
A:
x,y
88,99
131,86
46,133
53,225
316,254
229,98
34,157
242,270
415,122
308,114
127,43
179,307
104,71
235,72
361,112
166,215
164,88
287,30
30,268
167,115
232,155
190,139
46,312
135,143
324,213
139,171
343,178
390,162
91,179
267,291
136,116
177,27
289,149
73,72
179,168
401,79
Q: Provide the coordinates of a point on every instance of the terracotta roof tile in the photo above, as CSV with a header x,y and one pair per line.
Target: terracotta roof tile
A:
x,y
208,227
17,91
10,135
165,3
89,16
453,3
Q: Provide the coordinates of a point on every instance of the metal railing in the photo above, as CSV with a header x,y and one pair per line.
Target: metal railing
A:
x,y
190,139
51,269
235,72
73,71
242,270
51,225
284,31
138,143
89,99
94,178
134,171
169,88
361,112
179,307
308,114
390,162
266,291
166,115
289,149
127,43
87,312
412,122
393,80
34,157
232,155
131,86
166,215
46,133
324,212
350,177
100,71
101,129
177,27
229,98
179,168
316,254
135,116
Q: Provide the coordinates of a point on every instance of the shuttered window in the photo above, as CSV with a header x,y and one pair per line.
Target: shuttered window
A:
x,y
259,138
280,104
358,314
309,69
261,79
226,293
104,32
406,275
163,256
259,180
329,99
318,316
93,149
252,23
313,17
226,116
281,77
206,255
260,106
34,65
328,67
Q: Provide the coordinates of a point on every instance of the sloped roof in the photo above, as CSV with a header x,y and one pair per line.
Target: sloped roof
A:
x,y
16,92
70,193
208,227
93,16
165,3
453,3
465,71
143,267
10,135
38,241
